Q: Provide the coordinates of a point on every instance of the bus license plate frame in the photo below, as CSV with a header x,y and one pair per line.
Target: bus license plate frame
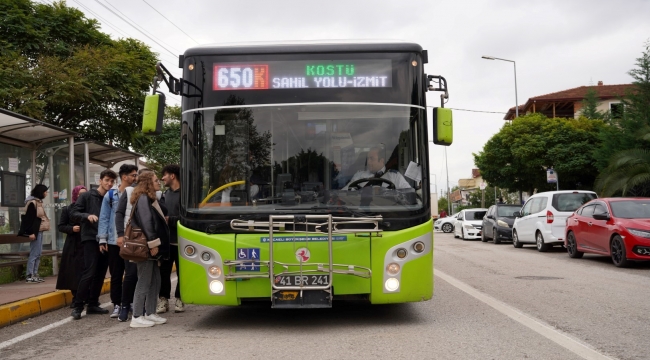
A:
x,y
311,280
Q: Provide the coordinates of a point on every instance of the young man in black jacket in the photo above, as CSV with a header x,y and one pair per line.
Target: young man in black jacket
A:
x,y
171,200
87,209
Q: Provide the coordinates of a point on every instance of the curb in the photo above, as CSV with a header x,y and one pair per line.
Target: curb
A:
x,y
17,311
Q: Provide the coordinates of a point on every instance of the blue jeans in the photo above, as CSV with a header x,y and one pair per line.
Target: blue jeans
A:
x,y
35,250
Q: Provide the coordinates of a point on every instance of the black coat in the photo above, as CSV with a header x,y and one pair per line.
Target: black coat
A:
x,y
153,225
88,203
72,259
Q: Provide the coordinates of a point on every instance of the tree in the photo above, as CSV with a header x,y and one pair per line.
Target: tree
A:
x,y
517,156
625,130
628,170
443,204
163,149
590,106
56,66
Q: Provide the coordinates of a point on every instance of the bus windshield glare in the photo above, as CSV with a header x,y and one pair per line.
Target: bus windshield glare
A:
x,y
274,158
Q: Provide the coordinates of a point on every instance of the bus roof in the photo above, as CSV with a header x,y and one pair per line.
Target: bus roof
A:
x,y
293,47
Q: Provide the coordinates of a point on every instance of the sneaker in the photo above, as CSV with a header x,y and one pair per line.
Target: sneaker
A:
x,y
116,312
31,280
155,319
124,313
76,313
163,306
96,310
141,322
179,306
39,279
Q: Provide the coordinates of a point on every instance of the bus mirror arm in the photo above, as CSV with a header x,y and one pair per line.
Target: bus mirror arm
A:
x,y
174,85
442,86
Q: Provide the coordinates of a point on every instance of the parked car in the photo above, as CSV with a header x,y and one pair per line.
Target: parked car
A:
x,y
616,227
445,224
468,223
497,223
542,219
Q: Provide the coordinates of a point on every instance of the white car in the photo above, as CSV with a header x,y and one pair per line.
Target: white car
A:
x,y
468,224
542,219
445,224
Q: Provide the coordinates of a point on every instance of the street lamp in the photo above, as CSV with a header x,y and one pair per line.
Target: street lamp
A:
x,y
515,64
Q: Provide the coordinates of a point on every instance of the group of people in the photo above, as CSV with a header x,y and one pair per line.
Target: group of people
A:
x,y
95,223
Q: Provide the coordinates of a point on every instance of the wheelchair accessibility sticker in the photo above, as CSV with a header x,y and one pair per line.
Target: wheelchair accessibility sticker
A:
x,y
248,254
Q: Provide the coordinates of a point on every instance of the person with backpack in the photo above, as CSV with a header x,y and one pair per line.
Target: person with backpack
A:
x,y
87,209
34,212
107,234
149,216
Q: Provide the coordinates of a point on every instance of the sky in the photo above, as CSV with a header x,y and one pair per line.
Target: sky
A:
x,y
557,45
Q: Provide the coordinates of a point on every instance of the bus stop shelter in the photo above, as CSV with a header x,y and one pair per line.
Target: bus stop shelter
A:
x,y
33,152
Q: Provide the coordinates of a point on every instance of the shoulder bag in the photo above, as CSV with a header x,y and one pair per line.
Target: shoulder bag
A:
x,y
134,247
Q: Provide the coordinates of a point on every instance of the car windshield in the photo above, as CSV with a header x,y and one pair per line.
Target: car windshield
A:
x,y
571,201
474,215
507,210
305,156
631,209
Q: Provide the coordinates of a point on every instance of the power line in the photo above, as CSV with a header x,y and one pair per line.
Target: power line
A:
x,y
113,12
103,21
156,10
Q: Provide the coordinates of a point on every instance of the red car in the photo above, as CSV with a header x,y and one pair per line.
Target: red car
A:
x,y
616,227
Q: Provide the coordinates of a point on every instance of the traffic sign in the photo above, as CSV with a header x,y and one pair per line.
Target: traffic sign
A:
x,y
483,185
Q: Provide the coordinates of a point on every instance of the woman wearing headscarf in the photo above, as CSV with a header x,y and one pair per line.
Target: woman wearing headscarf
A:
x,y
33,211
149,217
72,258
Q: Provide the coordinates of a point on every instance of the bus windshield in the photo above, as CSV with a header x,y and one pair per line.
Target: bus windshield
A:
x,y
274,158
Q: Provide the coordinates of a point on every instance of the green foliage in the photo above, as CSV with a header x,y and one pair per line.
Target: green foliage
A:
x,y
56,66
443,204
590,106
624,132
627,175
517,156
163,149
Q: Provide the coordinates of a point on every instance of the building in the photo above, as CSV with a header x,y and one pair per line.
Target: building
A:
x,y
460,197
567,103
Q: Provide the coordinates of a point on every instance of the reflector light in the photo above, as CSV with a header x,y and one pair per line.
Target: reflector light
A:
x,y
549,217
392,268
189,250
215,271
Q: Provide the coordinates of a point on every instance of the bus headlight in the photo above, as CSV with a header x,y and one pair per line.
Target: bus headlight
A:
x,y
401,253
206,256
418,247
215,271
392,284
392,268
216,286
190,250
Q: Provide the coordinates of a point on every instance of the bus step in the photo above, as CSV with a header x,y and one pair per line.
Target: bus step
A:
x,y
310,299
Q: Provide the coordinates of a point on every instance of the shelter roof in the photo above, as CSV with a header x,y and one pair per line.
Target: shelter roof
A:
x,y
30,133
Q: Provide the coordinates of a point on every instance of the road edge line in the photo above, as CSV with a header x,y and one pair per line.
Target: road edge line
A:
x,y
559,337
17,311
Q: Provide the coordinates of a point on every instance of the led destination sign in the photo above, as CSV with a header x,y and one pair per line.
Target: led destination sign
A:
x,y
308,74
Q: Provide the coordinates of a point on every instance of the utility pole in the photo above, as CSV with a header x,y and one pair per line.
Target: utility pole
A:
x,y
448,194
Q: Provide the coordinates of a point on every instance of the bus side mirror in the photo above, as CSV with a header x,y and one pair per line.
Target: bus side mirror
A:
x,y
152,116
443,126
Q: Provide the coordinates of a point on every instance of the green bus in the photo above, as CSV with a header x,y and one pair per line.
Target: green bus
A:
x,y
304,172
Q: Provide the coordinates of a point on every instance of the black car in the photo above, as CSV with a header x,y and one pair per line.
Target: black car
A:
x,y
497,223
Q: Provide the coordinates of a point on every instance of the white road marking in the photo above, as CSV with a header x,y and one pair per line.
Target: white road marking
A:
x,y
58,323
559,337
44,329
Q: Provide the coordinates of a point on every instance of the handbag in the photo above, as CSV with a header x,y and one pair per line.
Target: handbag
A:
x,y
134,247
25,226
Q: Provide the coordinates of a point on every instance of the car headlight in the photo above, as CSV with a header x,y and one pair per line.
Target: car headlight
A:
x,y
468,227
502,223
640,233
437,222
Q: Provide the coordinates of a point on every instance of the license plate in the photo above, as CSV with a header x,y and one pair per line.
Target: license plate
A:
x,y
302,280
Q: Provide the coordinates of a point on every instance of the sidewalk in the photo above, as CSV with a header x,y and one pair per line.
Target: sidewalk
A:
x,y
20,300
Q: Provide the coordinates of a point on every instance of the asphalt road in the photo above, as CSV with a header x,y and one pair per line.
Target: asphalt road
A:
x,y
490,302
